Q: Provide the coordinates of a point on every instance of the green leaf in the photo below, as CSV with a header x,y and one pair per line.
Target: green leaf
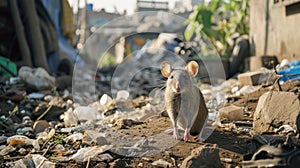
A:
x,y
215,5
189,31
206,18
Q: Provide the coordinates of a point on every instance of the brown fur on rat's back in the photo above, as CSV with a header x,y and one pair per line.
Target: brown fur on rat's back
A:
x,y
201,117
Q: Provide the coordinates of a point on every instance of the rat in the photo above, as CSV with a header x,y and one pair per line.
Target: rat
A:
x,y
184,101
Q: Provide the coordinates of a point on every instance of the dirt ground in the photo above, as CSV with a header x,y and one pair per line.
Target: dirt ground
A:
x,y
234,146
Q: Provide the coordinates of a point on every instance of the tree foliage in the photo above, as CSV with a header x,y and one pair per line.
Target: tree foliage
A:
x,y
220,20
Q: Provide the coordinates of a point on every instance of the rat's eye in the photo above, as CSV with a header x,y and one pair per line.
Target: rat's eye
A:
x,y
171,77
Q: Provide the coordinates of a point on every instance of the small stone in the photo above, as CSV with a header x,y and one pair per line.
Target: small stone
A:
x,y
124,123
161,163
27,121
203,156
101,165
40,126
34,160
232,113
8,149
22,151
48,98
250,78
105,100
73,138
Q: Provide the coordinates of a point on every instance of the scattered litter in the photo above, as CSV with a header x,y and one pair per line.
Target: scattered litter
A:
x,y
37,78
285,129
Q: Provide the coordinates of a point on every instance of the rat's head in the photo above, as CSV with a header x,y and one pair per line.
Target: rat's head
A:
x,y
179,79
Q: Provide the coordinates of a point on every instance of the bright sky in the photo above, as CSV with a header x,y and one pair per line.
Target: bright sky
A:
x,y
111,5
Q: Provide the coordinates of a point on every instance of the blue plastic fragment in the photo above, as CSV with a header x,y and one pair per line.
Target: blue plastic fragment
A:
x,y
291,73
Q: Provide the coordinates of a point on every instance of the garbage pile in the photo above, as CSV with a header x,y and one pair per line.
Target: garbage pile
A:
x,y
254,122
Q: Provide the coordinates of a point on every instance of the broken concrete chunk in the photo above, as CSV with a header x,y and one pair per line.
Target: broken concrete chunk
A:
x,y
251,78
34,160
231,113
275,109
203,156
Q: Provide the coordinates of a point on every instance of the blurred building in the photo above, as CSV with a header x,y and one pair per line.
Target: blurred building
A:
x,y
274,28
151,5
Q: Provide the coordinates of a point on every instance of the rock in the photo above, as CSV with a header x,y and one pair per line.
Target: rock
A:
x,y
161,163
231,113
203,156
92,137
6,150
105,100
275,109
73,138
40,126
124,123
83,154
251,78
34,160
101,165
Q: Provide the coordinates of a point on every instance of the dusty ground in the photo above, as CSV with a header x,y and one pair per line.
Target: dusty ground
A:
x,y
232,147
235,146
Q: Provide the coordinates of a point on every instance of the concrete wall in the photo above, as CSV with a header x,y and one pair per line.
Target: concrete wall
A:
x,y
273,31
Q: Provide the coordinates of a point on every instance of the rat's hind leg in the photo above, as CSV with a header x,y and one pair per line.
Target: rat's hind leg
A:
x,y
186,135
175,132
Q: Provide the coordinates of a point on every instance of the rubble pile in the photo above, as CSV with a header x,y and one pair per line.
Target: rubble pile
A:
x,y
253,122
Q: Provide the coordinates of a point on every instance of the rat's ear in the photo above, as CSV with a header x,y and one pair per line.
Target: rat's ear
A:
x,y
166,69
192,68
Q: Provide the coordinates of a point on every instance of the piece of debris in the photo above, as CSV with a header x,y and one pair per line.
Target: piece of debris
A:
x,y
266,156
83,154
40,126
275,109
124,123
253,78
204,156
34,160
38,78
231,113
162,163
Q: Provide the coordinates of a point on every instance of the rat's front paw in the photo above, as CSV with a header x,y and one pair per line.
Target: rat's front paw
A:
x,y
176,134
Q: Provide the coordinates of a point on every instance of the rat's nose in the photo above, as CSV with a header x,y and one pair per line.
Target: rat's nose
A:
x,y
177,86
